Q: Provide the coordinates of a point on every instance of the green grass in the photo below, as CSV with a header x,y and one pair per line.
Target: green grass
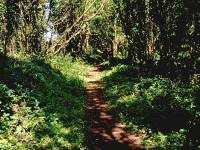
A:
x,y
42,101
167,113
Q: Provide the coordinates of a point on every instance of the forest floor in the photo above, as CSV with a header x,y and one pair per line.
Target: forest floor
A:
x,y
105,132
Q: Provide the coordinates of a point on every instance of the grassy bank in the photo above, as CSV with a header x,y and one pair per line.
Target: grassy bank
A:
x,y
42,101
167,113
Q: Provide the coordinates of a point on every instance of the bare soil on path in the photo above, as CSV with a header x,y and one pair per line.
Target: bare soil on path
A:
x,y
105,132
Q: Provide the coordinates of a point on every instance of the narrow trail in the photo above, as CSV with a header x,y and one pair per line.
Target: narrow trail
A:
x,y
105,132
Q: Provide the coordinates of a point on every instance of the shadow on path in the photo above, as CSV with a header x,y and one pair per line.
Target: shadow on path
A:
x,y
105,132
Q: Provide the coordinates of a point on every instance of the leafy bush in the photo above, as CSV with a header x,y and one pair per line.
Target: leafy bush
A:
x,y
159,108
42,103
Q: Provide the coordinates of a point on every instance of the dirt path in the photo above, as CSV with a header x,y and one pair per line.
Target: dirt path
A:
x,y
105,132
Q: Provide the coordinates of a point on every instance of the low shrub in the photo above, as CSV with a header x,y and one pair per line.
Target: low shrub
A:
x,y
159,108
42,101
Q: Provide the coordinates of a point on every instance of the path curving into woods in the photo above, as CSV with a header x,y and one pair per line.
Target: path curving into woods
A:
x,y
105,132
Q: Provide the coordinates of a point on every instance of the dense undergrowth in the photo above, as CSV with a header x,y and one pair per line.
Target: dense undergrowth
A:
x,y
42,102
166,112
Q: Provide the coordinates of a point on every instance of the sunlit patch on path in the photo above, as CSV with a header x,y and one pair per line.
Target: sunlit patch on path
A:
x,y
105,132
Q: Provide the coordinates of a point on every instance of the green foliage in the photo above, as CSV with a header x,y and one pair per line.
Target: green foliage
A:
x,y
42,103
42,99
157,107
172,141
